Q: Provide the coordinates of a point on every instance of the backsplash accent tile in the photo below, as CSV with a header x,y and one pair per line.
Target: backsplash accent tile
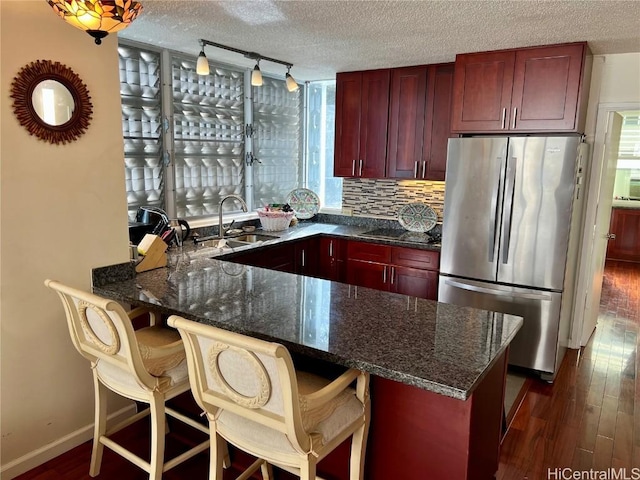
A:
x,y
383,198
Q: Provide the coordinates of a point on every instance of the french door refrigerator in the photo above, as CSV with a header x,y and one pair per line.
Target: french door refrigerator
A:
x,y
510,238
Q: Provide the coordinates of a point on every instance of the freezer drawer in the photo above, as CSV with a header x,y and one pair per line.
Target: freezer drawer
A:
x,y
536,345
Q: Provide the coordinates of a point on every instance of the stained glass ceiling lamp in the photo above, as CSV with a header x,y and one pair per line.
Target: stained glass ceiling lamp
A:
x,y
202,65
98,18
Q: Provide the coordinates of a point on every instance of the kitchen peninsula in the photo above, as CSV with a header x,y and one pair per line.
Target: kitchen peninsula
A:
x,y
437,370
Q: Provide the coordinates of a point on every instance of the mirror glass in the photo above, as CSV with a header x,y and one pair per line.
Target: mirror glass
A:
x,y
52,102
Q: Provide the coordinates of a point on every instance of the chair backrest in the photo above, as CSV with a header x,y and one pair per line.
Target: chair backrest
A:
x,y
249,377
102,332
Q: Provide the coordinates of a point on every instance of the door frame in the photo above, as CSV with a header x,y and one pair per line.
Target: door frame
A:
x,y
595,187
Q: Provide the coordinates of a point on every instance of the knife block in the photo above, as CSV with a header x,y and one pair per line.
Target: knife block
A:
x,y
154,250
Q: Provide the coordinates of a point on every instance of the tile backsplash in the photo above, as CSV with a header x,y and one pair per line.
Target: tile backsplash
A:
x,y
383,198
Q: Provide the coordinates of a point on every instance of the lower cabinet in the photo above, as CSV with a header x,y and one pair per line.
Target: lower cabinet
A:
x,y
294,257
625,225
394,269
408,271
331,263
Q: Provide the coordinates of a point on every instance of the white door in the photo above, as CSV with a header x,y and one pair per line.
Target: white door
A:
x,y
601,227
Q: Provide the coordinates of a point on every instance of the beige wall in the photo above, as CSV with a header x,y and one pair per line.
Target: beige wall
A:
x,y
620,78
63,211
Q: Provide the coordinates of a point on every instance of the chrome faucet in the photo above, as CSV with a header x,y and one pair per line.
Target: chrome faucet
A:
x,y
222,230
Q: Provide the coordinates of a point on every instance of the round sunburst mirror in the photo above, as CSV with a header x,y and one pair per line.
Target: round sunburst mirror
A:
x,y
51,101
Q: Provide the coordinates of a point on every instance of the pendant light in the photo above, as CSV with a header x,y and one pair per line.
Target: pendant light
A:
x,y
98,18
256,75
202,65
292,85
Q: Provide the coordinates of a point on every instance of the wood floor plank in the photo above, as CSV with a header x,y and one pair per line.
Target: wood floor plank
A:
x,y
603,453
623,441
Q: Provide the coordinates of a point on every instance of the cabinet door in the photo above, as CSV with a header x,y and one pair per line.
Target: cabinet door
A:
x,y
368,252
546,88
437,129
367,274
374,115
414,282
347,136
306,257
625,225
330,259
362,111
406,122
482,91
412,257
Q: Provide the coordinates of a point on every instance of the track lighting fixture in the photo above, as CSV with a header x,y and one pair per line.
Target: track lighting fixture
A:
x,y
202,65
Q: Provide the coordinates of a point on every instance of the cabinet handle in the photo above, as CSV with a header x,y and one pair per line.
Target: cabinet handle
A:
x,y
415,169
384,274
331,248
303,259
611,236
515,114
360,173
424,169
353,167
504,117
393,274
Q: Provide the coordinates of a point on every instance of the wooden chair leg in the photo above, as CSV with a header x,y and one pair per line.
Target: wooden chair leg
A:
x,y
226,458
218,451
358,448
267,471
100,425
308,469
157,419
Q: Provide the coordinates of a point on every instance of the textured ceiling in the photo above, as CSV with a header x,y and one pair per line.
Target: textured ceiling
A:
x,y
324,37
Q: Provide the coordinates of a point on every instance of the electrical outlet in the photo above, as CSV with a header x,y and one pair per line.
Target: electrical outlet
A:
x,y
347,211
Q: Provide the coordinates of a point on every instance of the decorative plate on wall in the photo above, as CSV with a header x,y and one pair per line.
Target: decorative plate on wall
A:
x,y
305,202
417,217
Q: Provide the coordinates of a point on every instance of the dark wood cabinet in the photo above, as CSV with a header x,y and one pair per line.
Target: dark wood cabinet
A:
x,y
538,89
306,257
394,269
625,225
331,263
406,122
277,257
419,121
362,109
437,129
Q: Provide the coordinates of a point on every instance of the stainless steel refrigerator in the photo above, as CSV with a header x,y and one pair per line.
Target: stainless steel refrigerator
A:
x,y
510,238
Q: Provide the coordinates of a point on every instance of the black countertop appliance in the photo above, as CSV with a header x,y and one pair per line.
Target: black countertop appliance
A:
x,y
148,220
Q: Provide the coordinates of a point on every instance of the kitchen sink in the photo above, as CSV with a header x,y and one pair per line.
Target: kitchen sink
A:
x,y
251,238
244,240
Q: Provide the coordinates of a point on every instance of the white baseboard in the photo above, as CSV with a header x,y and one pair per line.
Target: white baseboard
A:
x,y
58,447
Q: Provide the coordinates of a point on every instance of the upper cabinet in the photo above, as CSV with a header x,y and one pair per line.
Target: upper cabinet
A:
x,y
541,89
362,109
416,118
419,121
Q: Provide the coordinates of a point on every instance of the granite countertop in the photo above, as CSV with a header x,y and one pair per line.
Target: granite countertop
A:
x,y
437,347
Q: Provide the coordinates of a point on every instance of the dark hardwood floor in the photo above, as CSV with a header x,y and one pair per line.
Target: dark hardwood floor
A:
x,y
586,420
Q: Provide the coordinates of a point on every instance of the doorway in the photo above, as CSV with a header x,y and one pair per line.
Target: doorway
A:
x,y
601,180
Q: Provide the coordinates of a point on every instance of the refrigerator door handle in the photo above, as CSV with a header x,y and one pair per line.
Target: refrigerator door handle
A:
x,y
510,183
492,291
493,219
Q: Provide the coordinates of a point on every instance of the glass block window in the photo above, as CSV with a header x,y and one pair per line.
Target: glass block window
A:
x,y
277,141
142,127
208,137
321,116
